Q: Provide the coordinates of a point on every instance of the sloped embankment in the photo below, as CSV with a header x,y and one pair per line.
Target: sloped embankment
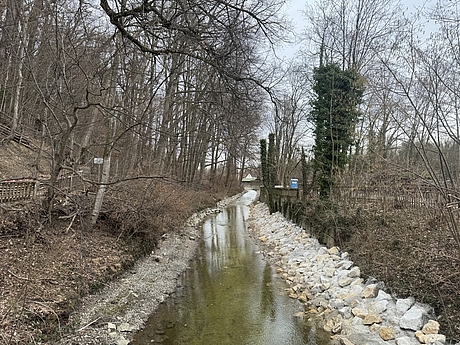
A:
x,y
113,315
328,282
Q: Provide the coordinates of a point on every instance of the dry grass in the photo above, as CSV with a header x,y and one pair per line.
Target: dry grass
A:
x,y
415,254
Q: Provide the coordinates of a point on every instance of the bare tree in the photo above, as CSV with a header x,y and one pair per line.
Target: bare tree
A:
x,y
191,104
111,99
64,75
364,35
188,35
289,123
352,32
426,78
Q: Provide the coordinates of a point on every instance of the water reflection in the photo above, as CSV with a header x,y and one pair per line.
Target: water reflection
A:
x,y
231,295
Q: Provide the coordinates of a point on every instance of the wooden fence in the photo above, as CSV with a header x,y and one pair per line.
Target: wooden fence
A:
x,y
23,189
383,197
70,183
390,197
16,190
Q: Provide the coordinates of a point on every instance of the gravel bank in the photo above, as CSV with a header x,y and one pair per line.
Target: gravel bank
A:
x,y
113,315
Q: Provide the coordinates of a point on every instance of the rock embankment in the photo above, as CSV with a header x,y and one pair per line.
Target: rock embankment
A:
x,y
355,311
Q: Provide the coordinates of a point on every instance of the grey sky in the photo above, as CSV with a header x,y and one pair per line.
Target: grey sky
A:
x,y
294,9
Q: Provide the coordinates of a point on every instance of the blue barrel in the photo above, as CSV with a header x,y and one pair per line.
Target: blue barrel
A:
x,y
294,183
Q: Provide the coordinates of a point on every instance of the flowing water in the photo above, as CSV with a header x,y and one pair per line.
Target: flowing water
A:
x,y
230,295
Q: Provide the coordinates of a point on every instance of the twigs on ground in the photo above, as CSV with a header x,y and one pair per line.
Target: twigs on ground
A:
x,y
89,324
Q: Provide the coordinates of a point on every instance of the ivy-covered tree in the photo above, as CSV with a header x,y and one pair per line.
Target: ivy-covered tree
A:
x,y
271,160
271,170
334,116
267,160
303,160
263,162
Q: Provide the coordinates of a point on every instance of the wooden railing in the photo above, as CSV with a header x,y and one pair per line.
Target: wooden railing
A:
x,y
16,137
23,189
16,190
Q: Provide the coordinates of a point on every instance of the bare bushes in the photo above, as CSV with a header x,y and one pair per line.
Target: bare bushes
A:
x,y
49,265
331,222
16,221
151,208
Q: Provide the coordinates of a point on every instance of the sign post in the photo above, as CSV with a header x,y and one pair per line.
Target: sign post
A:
x,y
98,161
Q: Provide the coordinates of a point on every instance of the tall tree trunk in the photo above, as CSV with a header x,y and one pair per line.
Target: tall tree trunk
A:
x,y
19,82
83,158
105,172
112,126
165,132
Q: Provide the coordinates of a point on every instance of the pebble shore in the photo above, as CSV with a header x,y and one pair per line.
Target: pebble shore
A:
x,y
353,310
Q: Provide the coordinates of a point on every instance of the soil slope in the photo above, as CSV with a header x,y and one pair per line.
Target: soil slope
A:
x,y
49,265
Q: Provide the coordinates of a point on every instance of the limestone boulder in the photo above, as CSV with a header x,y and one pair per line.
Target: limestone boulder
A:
x,y
435,339
431,327
386,333
403,305
383,296
333,326
372,318
370,291
379,307
406,341
346,341
361,339
333,250
345,281
125,327
413,318
355,272
359,312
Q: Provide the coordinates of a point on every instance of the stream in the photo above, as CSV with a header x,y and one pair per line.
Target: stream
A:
x,y
230,295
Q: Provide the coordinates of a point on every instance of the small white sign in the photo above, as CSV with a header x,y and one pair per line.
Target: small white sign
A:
x,y
98,160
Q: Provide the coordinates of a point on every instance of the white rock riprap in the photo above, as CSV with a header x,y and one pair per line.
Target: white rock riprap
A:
x,y
354,311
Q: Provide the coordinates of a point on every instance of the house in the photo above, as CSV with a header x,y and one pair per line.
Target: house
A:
x,y
248,178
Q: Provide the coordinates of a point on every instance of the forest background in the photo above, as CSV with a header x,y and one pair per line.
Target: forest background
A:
x,y
157,109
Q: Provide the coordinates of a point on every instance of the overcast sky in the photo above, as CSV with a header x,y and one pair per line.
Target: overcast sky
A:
x,y
295,8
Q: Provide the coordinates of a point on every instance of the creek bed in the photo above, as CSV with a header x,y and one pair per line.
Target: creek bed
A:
x,y
230,295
